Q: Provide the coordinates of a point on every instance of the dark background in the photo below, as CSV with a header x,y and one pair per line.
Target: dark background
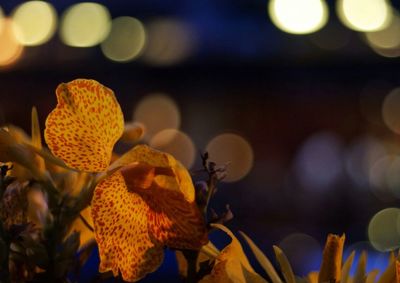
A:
x,y
277,90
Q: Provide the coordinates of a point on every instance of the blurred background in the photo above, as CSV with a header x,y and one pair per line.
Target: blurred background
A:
x,y
299,97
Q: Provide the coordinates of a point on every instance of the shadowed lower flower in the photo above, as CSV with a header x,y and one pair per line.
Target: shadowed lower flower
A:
x,y
147,204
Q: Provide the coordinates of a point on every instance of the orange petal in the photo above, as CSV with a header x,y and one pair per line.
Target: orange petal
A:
x,y
85,125
331,267
232,265
179,179
173,221
121,231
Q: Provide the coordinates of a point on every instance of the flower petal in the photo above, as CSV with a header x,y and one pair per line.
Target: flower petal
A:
x,y
121,231
331,267
232,265
172,220
85,125
179,179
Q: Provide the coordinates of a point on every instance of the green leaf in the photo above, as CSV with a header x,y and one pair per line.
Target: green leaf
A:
x,y
346,268
262,259
285,265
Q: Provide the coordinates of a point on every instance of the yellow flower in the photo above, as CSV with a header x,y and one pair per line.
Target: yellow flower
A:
x,y
146,205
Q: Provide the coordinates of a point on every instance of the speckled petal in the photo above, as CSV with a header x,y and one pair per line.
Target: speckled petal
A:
x,y
85,125
121,231
180,181
172,220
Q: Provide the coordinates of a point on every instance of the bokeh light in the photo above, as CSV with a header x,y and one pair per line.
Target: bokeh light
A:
x,y
386,42
298,16
362,154
169,42
318,164
176,143
157,112
303,251
383,230
10,48
364,15
35,22
125,41
390,110
378,177
371,100
233,150
85,24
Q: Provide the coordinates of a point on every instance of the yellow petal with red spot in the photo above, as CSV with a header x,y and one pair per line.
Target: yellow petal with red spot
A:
x,y
85,125
121,231
178,179
172,220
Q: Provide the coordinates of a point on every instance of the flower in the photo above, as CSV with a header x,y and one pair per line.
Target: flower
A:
x,y
147,204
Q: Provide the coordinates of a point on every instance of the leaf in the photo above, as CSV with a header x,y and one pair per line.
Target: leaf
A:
x,y
285,265
12,151
360,275
35,128
48,157
262,259
346,268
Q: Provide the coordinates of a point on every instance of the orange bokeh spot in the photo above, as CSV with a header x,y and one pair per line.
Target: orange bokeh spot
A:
x,y
10,49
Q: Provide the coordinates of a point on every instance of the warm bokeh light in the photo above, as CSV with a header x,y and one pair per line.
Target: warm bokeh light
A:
x,y
390,110
35,22
362,154
298,16
383,230
133,132
176,143
10,48
169,42
125,41
233,150
364,15
378,177
157,112
1,19
318,163
386,42
388,37
85,24
303,251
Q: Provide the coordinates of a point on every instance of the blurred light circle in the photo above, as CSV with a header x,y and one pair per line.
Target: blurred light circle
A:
x,y
387,38
318,163
2,19
364,15
10,48
371,100
169,42
303,251
298,16
176,143
36,22
360,158
125,41
383,230
233,150
393,177
378,178
85,24
390,110
157,112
